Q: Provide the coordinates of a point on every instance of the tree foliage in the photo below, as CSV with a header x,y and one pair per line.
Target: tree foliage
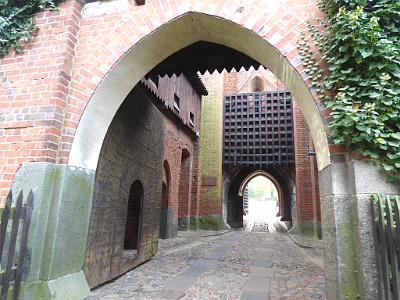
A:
x,y
16,22
361,43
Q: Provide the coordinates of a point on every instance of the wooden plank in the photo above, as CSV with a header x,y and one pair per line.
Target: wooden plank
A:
x,y
11,248
384,248
2,274
23,246
377,243
397,232
4,222
392,248
11,215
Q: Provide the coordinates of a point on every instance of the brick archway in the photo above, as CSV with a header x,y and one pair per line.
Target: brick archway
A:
x,y
276,51
60,95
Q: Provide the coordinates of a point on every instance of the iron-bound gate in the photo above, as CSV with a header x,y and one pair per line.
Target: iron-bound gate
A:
x,y
258,129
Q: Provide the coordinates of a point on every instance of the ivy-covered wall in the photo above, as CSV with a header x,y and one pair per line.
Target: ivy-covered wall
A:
x,y
16,21
354,63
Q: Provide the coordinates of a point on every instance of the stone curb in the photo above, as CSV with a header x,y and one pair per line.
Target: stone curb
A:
x,y
305,242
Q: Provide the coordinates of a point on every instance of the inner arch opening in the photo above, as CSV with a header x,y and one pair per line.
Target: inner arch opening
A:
x,y
261,203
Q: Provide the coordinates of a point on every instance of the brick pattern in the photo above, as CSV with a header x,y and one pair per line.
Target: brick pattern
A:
x,y
180,137
177,140
316,207
45,89
307,187
243,82
184,184
195,181
166,185
34,91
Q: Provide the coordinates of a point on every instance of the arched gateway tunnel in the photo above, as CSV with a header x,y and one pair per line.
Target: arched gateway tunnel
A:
x,y
118,154
264,134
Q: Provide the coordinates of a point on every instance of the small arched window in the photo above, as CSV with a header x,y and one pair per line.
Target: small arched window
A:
x,y
133,216
257,84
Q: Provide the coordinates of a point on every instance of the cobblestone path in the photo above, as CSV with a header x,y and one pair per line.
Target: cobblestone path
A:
x,y
224,265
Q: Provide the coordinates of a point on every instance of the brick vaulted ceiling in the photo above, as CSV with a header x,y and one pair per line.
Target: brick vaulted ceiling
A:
x,y
201,57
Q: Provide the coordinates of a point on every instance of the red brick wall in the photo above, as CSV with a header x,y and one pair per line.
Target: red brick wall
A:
x,y
196,181
307,186
34,89
177,139
315,190
184,185
181,137
235,83
45,89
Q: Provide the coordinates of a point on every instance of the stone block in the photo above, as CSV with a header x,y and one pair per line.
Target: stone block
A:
x,y
205,263
181,283
258,284
367,179
194,271
265,263
261,271
366,249
253,295
60,220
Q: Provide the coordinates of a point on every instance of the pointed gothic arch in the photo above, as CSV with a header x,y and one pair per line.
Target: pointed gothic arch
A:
x,y
180,32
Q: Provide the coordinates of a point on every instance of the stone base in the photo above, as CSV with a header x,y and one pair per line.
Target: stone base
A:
x,y
72,286
59,228
183,223
168,225
347,228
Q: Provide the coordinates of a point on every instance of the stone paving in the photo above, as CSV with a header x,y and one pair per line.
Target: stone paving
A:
x,y
246,265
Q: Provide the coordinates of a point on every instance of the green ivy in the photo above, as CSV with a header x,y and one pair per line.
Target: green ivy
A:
x,y
361,44
16,21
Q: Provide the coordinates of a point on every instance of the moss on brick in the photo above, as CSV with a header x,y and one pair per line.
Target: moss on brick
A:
x,y
209,222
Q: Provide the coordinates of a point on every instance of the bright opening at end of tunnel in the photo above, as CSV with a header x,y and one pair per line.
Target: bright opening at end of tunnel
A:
x,y
261,205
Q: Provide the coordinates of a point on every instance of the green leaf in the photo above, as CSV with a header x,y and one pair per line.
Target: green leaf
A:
x,y
387,167
367,114
396,73
347,71
367,52
396,135
16,23
394,143
375,95
374,155
393,156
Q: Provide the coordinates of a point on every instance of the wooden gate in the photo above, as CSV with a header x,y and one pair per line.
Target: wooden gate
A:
x,y
12,261
386,210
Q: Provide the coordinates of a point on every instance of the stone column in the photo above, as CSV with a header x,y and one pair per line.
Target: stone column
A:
x,y
350,262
